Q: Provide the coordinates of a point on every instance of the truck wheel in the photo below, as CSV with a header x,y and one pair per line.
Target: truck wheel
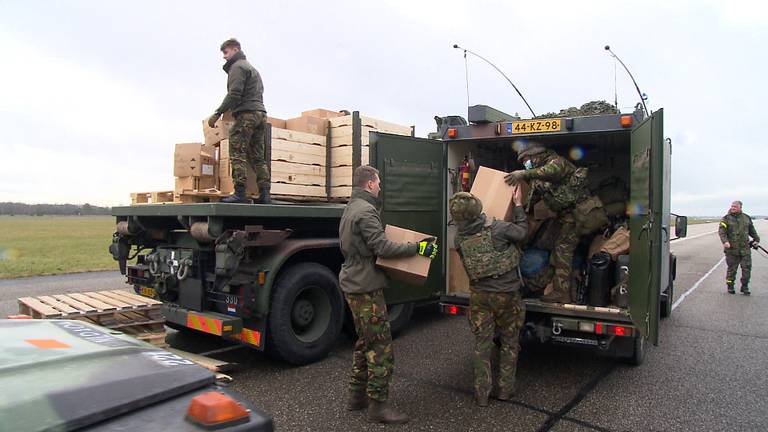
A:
x,y
399,316
638,352
305,314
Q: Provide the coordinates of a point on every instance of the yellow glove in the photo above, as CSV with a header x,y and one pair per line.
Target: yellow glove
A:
x,y
428,249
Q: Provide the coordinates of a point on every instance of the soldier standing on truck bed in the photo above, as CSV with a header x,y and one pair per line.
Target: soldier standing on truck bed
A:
x,y
491,257
735,230
246,137
562,187
362,239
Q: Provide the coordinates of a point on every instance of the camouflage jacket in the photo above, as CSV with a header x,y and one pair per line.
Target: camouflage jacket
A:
x,y
737,229
503,235
362,240
245,90
557,182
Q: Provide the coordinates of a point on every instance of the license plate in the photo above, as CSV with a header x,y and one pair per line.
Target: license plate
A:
x,y
147,292
536,126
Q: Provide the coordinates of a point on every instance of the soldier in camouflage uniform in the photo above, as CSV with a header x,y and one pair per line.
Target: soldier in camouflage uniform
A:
x,y
562,187
246,137
735,230
362,239
490,255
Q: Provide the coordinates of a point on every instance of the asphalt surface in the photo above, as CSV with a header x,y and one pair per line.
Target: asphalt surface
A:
x,y
706,374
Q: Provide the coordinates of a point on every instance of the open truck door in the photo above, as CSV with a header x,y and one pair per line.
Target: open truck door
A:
x,y
413,197
649,233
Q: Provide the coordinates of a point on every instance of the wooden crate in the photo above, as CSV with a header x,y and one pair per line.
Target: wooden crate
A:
x,y
342,156
127,312
298,152
372,123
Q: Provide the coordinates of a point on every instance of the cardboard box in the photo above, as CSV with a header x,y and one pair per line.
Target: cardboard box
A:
x,y
322,113
276,122
495,194
214,135
194,160
225,179
194,183
313,125
458,280
412,270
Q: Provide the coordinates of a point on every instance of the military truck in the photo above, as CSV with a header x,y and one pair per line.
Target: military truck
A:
x,y
267,275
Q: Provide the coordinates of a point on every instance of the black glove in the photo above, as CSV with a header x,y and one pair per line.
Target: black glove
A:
x,y
212,120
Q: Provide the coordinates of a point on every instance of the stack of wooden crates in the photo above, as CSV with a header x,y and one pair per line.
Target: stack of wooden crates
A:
x,y
302,151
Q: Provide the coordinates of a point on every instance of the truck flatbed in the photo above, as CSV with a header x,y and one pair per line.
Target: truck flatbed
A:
x,y
304,210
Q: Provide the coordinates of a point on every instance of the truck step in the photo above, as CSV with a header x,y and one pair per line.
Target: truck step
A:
x,y
127,312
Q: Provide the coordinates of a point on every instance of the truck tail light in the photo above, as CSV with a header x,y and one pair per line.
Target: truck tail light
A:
x,y
216,409
626,121
262,278
453,132
620,330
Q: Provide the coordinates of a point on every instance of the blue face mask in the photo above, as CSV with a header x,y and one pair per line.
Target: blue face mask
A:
x,y
528,164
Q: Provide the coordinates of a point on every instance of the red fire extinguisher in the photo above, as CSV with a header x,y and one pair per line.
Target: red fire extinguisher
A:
x,y
464,169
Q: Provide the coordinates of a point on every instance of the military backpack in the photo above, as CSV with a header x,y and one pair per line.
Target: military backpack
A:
x,y
482,260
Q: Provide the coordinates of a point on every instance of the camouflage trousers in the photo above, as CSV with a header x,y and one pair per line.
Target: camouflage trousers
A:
x,y
246,148
372,360
733,260
562,254
490,312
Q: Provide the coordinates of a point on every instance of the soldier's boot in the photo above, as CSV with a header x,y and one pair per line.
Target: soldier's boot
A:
x,y
481,398
745,289
382,412
731,290
265,197
556,296
357,400
505,394
237,197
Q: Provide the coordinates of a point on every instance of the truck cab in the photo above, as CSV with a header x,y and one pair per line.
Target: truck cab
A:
x,y
419,175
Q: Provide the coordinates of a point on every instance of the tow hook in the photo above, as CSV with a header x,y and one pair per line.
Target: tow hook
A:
x,y
557,328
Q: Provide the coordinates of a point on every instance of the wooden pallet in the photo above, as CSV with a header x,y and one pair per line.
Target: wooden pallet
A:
x,y
151,197
127,312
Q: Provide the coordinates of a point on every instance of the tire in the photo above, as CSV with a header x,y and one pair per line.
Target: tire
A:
x,y
638,351
399,316
305,314
666,301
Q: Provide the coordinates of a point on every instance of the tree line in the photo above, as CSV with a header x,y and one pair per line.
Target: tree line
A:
x,y
21,209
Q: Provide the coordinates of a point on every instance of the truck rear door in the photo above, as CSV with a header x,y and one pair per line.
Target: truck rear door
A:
x,y
646,225
413,197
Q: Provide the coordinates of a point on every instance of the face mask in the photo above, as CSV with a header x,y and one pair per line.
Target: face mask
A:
x,y
528,164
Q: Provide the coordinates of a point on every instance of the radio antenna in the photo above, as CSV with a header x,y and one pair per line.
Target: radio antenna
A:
x,y
499,70
642,97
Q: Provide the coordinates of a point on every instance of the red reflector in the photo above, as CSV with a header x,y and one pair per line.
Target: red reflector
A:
x,y
453,310
598,328
619,331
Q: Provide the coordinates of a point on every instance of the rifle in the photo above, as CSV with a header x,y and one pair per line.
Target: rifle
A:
x,y
754,245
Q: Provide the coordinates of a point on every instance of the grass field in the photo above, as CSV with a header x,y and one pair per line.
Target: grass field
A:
x,y
46,245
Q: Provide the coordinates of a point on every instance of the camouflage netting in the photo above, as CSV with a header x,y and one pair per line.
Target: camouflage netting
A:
x,y
588,109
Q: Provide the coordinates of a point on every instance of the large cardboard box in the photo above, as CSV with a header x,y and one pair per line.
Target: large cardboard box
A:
x,y
495,194
194,183
313,125
322,113
276,122
458,280
193,160
413,270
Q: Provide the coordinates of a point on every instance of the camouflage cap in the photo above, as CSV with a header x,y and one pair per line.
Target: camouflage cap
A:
x,y
464,207
231,42
530,150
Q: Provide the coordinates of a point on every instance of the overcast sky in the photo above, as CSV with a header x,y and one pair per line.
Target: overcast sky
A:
x,y
94,94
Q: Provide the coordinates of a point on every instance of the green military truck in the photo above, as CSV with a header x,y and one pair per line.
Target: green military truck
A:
x,y
267,275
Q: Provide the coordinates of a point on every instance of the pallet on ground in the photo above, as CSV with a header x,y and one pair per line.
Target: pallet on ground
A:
x,y
151,197
127,312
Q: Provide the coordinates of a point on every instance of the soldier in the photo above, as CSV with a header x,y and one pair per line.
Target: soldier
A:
x,y
563,189
491,258
735,230
246,137
362,240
